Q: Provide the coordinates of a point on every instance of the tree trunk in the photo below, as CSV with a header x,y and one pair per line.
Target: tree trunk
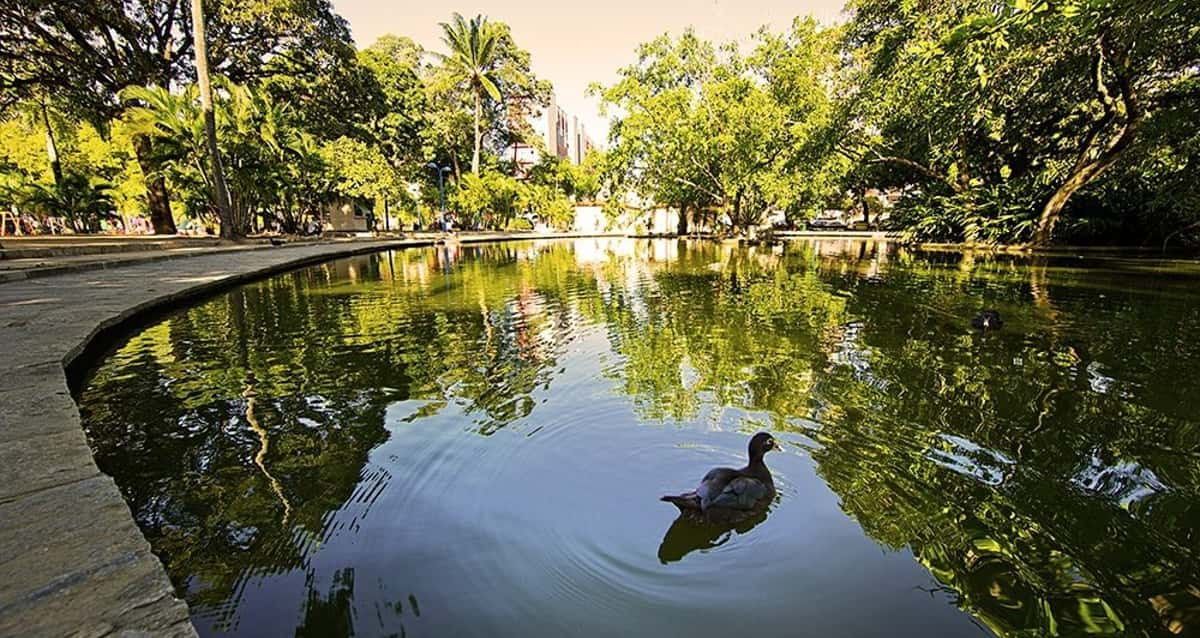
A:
x,y
1083,174
478,138
51,147
736,219
682,228
230,228
157,197
1086,167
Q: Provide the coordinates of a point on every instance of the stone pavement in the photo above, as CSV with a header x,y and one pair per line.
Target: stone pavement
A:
x,y
72,560
30,257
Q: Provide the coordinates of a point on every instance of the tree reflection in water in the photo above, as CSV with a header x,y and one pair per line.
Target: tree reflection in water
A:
x,y
1046,474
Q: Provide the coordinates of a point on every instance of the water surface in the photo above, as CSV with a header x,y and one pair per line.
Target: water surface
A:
x,y
470,441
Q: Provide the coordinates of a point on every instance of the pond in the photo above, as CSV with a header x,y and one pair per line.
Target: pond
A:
x,y
472,440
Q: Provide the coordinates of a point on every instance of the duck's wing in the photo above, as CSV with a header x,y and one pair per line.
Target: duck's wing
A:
x,y
713,485
741,493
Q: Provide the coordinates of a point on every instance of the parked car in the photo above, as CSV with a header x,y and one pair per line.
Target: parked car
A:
x,y
826,223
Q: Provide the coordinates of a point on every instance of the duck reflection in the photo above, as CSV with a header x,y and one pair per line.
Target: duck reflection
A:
x,y
687,534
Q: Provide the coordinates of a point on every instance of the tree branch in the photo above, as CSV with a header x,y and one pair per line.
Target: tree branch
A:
x,y
916,166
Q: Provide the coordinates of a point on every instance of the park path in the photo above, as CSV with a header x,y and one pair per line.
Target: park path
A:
x,y
72,560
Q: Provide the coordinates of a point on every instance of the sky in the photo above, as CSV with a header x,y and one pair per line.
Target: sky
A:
x,y
573,44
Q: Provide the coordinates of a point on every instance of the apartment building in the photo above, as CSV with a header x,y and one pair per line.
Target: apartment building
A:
x,y
563,135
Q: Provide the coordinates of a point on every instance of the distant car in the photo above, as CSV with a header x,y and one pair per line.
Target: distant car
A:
x,y
826,223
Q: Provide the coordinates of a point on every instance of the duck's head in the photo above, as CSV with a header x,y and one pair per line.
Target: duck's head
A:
x,y
988,320
762,443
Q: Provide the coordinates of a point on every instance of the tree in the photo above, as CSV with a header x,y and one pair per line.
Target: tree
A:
x,y
269,161
704,125
472,61
361,171
1000,113
399,118
86,53
450,117
221,193
84,204
1140,64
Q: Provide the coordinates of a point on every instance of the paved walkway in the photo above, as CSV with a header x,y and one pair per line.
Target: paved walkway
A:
x,y
72,560
30,258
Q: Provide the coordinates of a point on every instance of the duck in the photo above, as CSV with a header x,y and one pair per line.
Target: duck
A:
x,y
727,495
987,320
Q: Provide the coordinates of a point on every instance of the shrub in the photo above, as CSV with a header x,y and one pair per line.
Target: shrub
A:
x,y
518,224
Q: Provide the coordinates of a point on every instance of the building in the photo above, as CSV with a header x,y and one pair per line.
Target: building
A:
x,y
558,134
348,216
523,157
579,142
563,136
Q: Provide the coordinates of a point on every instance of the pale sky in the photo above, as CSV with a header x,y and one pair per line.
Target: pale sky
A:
x,y
575,43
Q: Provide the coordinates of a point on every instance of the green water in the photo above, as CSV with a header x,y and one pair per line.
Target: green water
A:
x,y
471,442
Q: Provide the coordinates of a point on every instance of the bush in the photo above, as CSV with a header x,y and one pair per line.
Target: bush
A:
x,y
83,203
518,224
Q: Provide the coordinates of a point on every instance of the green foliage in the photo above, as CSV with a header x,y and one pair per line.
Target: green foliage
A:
x,y
994,119
401,104
301,116
82,203
272,167
518,224
83,151
361,171
548,204
1009,110
707,126
85,54
581,182
494,200
472,61
480,196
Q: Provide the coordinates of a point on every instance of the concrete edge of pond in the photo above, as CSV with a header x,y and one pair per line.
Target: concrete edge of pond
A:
x,y
72,559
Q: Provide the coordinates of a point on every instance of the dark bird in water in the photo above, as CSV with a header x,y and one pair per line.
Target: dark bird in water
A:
x,y
987,320
727,495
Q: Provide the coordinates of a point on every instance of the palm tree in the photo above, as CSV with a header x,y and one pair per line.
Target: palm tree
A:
x,y
73,196
474,51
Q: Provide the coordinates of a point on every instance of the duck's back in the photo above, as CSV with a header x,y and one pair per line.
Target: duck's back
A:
x,y
728,488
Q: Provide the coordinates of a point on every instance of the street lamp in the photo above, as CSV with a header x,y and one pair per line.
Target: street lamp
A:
x,y
441,175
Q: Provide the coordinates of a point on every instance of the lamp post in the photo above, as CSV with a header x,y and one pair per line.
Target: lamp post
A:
x,y
441,175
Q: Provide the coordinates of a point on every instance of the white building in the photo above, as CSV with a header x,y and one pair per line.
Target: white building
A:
x,y
563,136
